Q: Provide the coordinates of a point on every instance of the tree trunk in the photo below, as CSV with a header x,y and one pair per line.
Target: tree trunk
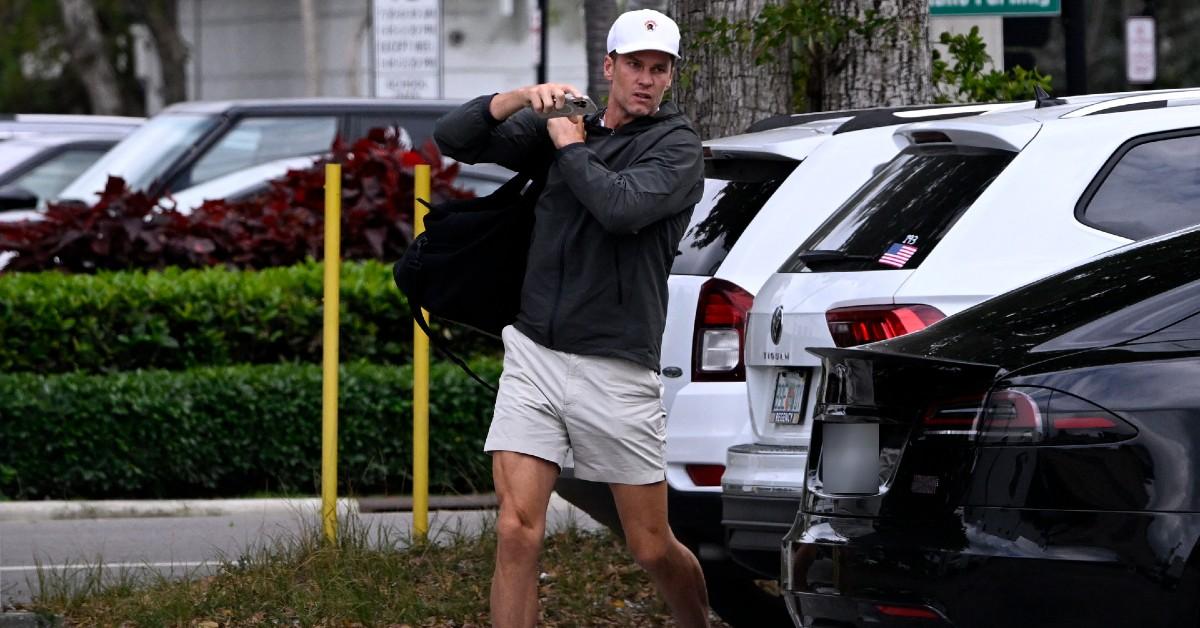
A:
x,y
887,66
598,16
162,18
85,43
724,91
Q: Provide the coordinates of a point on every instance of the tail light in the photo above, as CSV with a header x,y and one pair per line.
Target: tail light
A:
x,y
1027,415
952,418
1024,415
720,332
706,474
852,326
906,612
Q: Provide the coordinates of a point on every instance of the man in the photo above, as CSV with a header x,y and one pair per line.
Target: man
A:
x,y
581,362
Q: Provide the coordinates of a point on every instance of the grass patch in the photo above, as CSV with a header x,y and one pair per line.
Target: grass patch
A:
x,y
373,577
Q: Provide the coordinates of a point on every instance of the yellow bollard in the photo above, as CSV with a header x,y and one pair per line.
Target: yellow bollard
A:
x,y
420,380
329,363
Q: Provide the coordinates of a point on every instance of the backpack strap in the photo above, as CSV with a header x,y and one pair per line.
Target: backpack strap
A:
x,y
445,351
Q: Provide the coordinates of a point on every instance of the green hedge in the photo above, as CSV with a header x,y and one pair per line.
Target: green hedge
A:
x,y
174,319
233,431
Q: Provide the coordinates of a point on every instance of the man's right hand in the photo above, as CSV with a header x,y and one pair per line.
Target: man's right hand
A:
x,y
541,98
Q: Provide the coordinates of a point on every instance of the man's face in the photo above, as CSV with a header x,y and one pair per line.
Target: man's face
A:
x,y
639,80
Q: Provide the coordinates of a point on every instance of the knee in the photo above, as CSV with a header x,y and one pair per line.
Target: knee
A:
x,y
652,553
519,533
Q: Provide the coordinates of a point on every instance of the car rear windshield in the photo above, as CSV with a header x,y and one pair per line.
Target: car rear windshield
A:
x,y
900,215
734,191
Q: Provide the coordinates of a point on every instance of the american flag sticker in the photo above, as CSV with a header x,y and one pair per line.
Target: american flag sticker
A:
x,y
898,255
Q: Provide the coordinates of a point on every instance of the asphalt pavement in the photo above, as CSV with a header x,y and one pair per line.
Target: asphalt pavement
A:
x,y
75,541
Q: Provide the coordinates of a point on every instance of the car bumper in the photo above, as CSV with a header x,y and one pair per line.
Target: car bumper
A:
x,y
994,568
703,421
761,493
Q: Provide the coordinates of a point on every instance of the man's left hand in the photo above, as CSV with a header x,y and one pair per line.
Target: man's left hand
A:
x,y
566,130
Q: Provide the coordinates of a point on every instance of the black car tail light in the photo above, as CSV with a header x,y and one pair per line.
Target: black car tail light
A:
x,y
720,332
853,326
1027,415
906,612
952,418
1023,415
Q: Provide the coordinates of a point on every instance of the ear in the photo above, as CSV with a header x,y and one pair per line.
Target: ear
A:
x,y
608,67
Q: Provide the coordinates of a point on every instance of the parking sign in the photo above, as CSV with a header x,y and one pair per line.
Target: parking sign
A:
x,y
408,48
1141,54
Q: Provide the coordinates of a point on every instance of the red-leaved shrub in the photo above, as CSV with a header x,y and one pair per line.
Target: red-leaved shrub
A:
x,y
283,226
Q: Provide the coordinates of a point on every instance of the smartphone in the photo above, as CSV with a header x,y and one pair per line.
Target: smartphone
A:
x,y
574,106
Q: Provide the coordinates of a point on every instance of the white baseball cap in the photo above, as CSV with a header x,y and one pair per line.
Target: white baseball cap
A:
x,y
644,29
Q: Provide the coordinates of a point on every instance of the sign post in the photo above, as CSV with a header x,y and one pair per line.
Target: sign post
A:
x,y
408,48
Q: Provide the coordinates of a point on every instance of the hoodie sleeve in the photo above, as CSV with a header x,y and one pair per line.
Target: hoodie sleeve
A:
x,y
666,180
471,135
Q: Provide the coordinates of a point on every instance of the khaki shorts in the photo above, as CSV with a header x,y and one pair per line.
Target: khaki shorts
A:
x,y
606,412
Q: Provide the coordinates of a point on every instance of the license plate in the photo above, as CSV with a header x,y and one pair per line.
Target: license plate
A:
x,y
791,388
850,458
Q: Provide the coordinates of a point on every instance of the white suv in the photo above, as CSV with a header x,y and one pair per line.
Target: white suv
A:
x,y
970,208
765,191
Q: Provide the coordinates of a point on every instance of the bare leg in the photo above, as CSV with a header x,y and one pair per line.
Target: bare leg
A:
x,y
523,487
673,568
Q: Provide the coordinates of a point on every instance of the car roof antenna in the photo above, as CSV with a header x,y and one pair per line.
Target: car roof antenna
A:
x,y
1043,99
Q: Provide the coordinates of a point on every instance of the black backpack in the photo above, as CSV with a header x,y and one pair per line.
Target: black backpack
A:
x,y
469,263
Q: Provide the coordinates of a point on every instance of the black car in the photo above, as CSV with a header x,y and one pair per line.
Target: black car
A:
x,y
1031,461
194,142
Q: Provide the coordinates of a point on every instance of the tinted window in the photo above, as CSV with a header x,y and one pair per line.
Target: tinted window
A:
x,y
1114,298
1153,189
51,176
143,155
900,215
734,191
259,140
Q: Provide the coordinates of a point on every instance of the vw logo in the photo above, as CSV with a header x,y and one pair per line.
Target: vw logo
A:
x,y
777,325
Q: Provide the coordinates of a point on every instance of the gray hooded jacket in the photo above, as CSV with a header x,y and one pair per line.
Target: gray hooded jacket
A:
x,y
606,227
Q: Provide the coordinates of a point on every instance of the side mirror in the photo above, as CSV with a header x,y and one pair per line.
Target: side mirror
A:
x,y
15,197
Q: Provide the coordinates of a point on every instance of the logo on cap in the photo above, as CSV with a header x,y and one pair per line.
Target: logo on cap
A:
x,y
651,25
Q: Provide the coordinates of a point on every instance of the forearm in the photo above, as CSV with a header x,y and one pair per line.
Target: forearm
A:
x,y
506,104
628,200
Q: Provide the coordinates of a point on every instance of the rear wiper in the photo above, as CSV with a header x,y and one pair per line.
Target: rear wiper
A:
x,y
820,256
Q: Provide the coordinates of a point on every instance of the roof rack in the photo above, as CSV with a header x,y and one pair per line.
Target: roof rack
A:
x,y
1134,103
793,119
875,117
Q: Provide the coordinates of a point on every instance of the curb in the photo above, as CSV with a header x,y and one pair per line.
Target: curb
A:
x,y
126,509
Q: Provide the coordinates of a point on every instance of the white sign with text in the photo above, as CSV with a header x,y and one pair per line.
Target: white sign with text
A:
x,y
1141,54
408,48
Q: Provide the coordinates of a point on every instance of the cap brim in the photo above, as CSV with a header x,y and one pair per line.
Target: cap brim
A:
x,y
642,46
